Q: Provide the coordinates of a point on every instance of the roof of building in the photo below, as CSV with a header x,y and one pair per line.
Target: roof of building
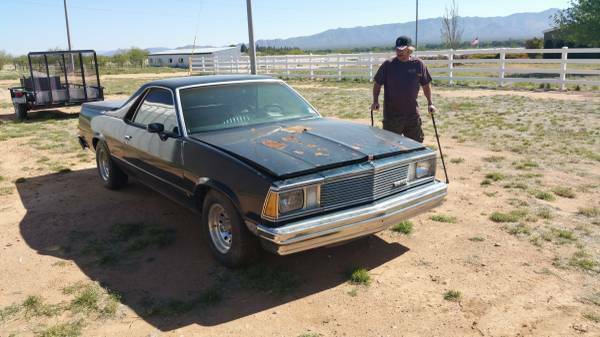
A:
x,y
178,82
190,51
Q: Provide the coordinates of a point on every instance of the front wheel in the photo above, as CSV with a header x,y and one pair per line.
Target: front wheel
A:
x,y
112,176
230,242
20,111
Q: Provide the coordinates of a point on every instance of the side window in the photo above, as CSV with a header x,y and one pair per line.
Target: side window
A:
x,y
157,107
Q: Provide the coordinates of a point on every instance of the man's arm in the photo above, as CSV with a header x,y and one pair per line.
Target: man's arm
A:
x,y
376,91
427,92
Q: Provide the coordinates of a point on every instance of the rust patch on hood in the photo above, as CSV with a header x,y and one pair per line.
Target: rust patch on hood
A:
x,y
273,144
295,129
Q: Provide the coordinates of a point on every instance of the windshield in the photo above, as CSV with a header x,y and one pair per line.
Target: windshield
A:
x,y
232,105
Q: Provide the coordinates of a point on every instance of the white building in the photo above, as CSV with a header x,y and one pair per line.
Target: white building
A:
x,y
179,58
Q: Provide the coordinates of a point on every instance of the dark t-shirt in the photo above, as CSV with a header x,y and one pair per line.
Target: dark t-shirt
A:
x,y
402,82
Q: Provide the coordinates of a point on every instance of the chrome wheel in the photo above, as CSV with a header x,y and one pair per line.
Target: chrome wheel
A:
x,y
219,226
104,164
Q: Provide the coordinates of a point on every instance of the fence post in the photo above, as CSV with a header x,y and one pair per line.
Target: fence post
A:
x,y
451,65
502,66
237,65
231,64
339,66
563,68
370,66
216,64
310,65
190,65
203,65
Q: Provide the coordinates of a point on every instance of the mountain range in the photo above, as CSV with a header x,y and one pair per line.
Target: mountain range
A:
x,y
498,28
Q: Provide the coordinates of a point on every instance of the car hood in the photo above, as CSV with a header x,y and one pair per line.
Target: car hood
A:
x,y
299,147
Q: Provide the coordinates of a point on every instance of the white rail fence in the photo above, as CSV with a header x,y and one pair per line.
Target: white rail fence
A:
x,y
501,65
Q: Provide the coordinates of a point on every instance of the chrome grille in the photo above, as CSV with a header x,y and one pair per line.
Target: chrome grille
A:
x,y
371,186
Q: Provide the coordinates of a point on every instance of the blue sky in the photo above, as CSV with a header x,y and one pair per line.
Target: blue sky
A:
x,y
28,25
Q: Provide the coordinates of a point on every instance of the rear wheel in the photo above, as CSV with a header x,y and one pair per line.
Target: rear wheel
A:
x,y
230,242
112,176
20,111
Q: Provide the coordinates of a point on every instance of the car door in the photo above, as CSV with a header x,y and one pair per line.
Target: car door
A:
x,y
157,161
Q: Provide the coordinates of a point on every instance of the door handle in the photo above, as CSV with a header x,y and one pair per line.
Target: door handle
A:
x,y
127,137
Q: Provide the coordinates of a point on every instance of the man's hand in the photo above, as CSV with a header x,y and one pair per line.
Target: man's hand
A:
x,y
375,106
432,109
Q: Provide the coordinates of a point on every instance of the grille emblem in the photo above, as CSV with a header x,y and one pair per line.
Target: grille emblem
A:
x,y
399,183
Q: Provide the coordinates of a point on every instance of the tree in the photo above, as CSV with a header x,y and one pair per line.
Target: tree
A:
x,y
535,43
5,58
137,56
580,23
243,48
451,29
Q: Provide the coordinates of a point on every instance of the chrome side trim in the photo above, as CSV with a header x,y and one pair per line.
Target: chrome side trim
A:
x,y
352,223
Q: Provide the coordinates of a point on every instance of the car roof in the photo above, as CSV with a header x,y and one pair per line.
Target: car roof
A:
x,y
178,82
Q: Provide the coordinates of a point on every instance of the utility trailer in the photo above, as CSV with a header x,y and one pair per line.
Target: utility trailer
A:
x,y
57,79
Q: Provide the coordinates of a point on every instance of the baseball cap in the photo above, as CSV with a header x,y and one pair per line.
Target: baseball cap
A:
x,y
404,42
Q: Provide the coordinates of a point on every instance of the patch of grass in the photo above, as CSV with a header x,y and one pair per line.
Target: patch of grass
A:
x,y
515,184
453,296
490,194
309,334
457,160
444,218
564,234
360,276
353,292
525,165
269,279
512,216
565,192
174,307
519,229
583,260
6,190
93,299
592,298
493,159
476,239
543,195
404,227
485,182
592,317
9,311
69,329
544,213
34,306
589,212
495,176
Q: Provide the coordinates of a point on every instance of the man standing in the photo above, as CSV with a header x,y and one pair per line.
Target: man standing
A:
x,y
402,77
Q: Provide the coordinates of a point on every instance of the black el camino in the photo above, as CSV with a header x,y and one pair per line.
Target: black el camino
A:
x,y
259,164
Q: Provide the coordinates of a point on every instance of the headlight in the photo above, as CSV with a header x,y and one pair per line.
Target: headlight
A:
x,y
281,203
291,201
421,169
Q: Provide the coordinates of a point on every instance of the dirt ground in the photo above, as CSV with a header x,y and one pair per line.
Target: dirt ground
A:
x,y
56,224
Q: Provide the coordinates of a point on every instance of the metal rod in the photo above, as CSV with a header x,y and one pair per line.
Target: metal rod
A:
x,y
440,148
417,26
67,22
372,120
252,46
48,77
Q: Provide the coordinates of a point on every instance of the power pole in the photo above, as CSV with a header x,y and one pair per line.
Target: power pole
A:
x,y
67,22
252,46
417,27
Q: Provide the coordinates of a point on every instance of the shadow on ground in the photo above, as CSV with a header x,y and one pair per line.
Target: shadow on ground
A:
x,y
41,116
158,271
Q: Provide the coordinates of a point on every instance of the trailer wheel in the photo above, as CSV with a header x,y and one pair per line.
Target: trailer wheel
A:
x,y
20,111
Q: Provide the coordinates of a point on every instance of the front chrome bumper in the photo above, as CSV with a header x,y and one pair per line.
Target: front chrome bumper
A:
x,y
351,223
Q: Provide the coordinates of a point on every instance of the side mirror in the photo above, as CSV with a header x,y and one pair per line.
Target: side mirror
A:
x,y
155,128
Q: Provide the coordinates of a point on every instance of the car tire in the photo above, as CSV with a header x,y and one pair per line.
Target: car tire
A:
x,y
230,241
20,111
111,175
